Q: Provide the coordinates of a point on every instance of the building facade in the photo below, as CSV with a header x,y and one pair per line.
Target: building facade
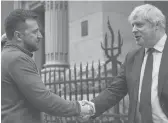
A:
x,y
73,30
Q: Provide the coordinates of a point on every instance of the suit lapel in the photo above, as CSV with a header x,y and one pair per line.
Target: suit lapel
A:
x,y
136,76
163,71
137,65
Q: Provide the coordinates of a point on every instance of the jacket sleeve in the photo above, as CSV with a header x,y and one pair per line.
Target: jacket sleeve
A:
x,y
31,86
112,94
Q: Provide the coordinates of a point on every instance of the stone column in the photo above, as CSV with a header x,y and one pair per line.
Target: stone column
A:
x,y
17,4
56,33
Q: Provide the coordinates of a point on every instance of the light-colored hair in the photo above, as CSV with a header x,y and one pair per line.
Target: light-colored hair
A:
x,y
150,13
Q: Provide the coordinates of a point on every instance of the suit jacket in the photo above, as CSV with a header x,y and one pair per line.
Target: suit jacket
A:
x,y
127,81
23,94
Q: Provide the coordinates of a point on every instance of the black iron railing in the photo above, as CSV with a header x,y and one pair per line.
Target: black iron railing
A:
x,y
83,82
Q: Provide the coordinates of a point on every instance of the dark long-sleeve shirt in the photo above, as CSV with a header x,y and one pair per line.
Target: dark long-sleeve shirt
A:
x,y
24,96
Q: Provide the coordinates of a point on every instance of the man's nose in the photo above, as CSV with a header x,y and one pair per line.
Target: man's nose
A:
x,y
40,35
134,29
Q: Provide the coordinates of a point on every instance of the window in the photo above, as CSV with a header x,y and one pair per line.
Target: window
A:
x,y
84,28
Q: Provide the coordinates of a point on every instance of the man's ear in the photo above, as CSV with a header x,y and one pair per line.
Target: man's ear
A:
x,y
157,26
17,35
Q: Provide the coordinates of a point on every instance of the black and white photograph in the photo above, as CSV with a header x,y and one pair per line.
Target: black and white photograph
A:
x,y
84,61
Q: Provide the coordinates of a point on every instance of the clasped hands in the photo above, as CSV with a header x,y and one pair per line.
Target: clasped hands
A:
x,y
87,110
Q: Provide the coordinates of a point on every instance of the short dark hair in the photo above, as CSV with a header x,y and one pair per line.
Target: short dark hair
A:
x,y
16,17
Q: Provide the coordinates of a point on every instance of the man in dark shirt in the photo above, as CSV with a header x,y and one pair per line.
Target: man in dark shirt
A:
x,y
24,96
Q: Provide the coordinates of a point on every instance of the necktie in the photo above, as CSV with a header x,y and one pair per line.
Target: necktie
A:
x,y
145,97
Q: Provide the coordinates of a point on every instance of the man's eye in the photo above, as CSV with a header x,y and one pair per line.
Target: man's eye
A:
x,y
139,25
35,32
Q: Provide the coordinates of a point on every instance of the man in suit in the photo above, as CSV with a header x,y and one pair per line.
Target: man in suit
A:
x,y
23,94
144,74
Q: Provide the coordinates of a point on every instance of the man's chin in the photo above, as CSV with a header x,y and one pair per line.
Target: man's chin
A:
x,y
35,49
139,43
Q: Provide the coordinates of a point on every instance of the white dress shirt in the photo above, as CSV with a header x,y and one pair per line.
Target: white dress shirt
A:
x,y
157,113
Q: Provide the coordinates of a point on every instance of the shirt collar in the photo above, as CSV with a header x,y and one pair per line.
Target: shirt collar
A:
x,y
159,46
10,44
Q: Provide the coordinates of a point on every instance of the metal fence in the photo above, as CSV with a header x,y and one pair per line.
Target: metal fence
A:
x,y
83,82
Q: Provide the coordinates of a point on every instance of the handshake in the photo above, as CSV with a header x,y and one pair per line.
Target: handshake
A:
x,y
87,110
